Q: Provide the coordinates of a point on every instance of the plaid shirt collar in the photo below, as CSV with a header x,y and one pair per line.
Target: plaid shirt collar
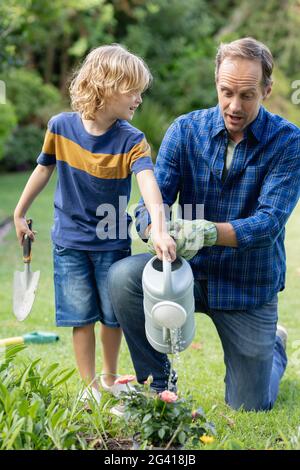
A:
x,y
256,127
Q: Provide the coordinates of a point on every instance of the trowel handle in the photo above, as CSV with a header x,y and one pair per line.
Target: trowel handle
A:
x,y
167,269
27,244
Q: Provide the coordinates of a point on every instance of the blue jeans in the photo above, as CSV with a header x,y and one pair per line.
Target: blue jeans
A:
x,y
254,356
81,287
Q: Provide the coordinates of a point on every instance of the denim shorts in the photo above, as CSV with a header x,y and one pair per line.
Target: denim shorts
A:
x,y
81,287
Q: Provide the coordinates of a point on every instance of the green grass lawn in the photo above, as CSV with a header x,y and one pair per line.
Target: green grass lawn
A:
x,y
200,370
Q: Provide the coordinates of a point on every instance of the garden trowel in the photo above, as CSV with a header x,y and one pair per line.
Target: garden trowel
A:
x,y
25,282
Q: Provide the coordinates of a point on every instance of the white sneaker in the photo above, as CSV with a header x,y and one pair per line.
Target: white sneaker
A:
x,y
118,410
88,395
283,334
116,389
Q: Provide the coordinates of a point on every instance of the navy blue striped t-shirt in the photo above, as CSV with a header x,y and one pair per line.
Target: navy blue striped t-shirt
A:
x,y
94,181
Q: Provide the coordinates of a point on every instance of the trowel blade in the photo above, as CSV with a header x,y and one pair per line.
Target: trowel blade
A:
x,y
24,288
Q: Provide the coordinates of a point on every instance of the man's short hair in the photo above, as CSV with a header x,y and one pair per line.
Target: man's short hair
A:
x,y
247,48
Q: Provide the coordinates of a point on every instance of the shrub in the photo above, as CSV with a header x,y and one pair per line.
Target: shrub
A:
x,y
33,412
152,119
32,99
164,419
23,147
8,121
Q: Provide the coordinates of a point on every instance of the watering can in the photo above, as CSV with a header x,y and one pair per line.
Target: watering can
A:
x,y
169,304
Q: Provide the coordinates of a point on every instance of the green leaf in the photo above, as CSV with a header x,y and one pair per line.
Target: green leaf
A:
x,y
176,411
33,409
233,444
9,354
48,371
147,431
27,371
23,407
15,430
79,47
57,416
65,377
147,418
161,433
182,437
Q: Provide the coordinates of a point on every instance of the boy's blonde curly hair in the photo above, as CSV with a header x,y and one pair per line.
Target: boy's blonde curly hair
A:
x,y
105,71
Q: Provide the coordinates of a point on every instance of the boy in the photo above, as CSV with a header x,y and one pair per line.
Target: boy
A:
x,y
94,150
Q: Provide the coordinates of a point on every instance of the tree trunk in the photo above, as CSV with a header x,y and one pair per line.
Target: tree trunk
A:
x,y
49,61
64,64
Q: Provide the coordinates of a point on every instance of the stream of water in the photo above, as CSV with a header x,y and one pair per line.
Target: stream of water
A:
x,y
176,347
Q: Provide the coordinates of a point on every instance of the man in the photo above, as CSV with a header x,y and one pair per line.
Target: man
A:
x,y
242,164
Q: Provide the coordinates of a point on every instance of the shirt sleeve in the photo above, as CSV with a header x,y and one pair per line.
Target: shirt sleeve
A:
x,y
278,197
140,156
167,173
47,156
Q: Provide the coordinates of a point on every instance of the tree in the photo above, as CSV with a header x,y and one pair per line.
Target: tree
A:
x,y
174,36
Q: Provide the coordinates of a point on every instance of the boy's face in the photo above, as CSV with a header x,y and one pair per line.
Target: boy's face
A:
x,y
123,105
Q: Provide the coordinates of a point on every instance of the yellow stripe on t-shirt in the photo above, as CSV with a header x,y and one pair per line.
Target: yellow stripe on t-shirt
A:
x,y
101,165
49,143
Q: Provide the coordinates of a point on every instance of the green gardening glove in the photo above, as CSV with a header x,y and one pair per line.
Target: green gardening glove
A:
x,y
192,235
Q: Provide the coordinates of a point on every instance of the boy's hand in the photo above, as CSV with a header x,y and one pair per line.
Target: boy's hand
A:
x,y
163,245
22,229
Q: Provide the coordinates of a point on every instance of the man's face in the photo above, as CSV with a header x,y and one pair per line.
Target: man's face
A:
x,y
240,93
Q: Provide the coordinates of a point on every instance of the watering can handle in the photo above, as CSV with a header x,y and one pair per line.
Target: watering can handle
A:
x,y
167,270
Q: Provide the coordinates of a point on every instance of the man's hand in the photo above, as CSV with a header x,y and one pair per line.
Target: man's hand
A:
x,y
192,235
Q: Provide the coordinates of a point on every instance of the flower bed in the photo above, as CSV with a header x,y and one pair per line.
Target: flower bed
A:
x,y
164,419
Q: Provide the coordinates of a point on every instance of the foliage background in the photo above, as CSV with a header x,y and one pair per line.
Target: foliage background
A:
x,y
43,42
40,45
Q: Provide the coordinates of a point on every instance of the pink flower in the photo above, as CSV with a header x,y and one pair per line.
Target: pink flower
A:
x,y
168,397
124,379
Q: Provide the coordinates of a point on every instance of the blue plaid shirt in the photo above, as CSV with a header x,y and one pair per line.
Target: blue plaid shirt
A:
x,y
257,197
